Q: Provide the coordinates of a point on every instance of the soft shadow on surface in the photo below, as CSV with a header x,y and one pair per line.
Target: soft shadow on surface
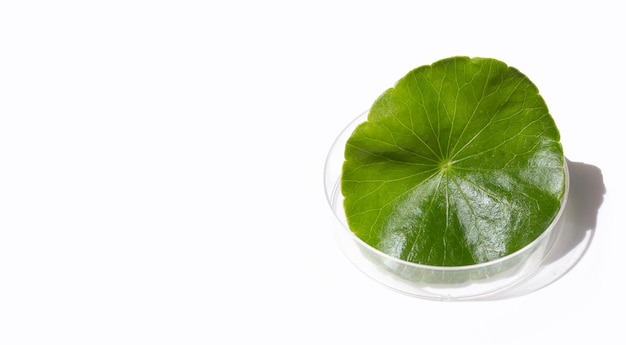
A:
x,y
586,193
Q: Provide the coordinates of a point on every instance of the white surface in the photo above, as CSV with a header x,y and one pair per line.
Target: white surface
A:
x,y
161,169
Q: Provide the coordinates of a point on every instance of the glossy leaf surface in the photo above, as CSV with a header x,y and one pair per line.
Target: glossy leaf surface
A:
x,y
459,163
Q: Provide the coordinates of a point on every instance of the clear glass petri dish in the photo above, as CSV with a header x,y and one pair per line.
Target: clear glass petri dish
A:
x,y
446,283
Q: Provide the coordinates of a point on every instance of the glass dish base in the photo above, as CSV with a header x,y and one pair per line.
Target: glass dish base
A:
x,y
432,282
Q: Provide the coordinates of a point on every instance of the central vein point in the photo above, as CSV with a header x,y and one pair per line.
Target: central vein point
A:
x,y
445,165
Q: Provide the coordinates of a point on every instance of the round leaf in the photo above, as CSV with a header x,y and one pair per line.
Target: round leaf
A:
x,y
460,163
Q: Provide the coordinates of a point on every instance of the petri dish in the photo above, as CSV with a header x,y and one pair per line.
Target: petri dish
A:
x,y
446,283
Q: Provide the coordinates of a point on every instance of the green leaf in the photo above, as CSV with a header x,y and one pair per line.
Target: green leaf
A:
x,y
460,163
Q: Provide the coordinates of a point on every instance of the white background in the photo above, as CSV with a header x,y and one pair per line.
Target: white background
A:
x,y
161,168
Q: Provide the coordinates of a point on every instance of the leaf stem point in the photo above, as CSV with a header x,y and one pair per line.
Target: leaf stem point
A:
x,y
445,165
